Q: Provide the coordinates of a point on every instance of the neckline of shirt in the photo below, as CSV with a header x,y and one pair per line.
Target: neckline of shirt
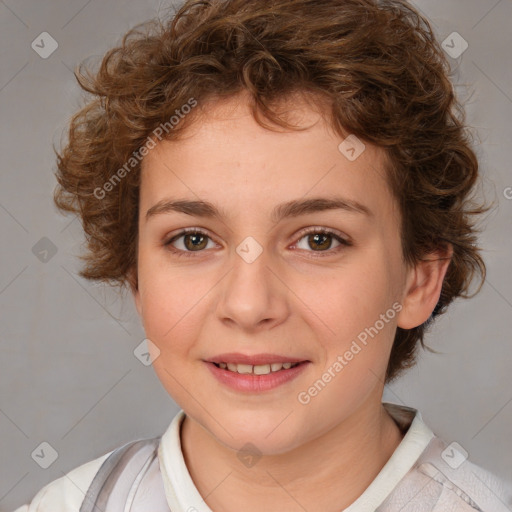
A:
x,y
183,496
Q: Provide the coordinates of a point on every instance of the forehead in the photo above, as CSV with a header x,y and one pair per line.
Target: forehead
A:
x,y
225,157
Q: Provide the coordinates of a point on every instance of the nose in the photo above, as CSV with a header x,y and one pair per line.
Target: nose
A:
x,y
252,296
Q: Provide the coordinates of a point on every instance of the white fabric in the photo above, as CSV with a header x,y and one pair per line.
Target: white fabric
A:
x,y
66,493
407,482
405,455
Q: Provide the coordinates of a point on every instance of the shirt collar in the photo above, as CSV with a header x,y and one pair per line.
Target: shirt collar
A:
x,y
414,442
182,494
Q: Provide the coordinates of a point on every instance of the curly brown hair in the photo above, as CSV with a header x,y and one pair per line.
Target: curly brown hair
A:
x,y
374,67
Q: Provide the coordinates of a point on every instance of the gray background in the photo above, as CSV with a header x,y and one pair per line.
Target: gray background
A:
x,y
68,374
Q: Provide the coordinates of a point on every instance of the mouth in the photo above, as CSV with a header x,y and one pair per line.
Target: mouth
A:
x,y
257,373
258,369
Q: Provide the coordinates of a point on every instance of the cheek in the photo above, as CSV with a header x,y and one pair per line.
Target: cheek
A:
x,y
349,299
170,316
355,322
171,297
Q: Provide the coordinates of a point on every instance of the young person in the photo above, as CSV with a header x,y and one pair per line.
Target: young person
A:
x,y
285,187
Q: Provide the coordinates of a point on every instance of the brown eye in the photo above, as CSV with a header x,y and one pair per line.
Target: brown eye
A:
x,y
195,241
320,240
188,241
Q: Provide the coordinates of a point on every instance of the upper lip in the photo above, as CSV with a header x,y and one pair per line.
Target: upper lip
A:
x,y
254,360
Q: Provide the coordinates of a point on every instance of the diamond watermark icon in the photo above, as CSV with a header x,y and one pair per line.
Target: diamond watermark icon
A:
x,y
249,249
455,45
44,45
44,250
45,455
351,148
146,352
249,455
454,455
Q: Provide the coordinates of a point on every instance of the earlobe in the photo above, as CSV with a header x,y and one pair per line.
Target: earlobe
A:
x,y
136,300
423,288
134,289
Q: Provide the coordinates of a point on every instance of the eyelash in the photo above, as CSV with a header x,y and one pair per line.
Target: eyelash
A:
x,y
307,231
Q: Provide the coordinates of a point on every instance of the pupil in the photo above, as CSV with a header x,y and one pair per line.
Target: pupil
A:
x,y
194,238
325,237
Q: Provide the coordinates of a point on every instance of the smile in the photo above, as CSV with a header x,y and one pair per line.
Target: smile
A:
x,y
259,369
257,378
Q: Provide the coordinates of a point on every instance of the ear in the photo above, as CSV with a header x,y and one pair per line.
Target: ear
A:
x,y
134,288
423,288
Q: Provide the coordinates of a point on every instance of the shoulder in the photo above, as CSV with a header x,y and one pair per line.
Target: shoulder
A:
x,y
461,484
66,493
441,476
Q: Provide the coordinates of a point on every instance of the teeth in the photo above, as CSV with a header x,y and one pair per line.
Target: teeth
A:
x,y
259,369
262,369
244,368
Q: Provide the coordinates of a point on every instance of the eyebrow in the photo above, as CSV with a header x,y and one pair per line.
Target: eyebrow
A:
x,y
292,208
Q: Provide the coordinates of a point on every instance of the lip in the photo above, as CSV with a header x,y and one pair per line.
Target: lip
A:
x,y
256,359
257,383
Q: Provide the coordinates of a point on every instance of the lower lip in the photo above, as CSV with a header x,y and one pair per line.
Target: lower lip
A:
x,y
256,383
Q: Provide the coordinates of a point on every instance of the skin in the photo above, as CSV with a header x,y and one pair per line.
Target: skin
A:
x,y
319,456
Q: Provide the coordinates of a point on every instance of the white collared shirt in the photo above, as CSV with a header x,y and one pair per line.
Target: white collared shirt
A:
x,y
422,475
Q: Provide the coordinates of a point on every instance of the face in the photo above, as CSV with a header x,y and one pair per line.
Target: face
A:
x,y
249,285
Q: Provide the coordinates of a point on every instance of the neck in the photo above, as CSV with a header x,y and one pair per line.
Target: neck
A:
x,y
327,473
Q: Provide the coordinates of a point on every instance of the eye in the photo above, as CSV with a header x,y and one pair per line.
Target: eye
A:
x,y
191,240
194,240
320,240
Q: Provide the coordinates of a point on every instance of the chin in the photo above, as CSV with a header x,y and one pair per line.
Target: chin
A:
x,y
270,433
